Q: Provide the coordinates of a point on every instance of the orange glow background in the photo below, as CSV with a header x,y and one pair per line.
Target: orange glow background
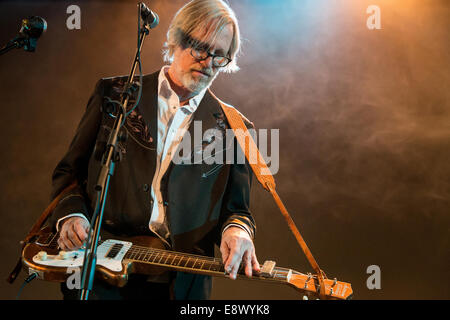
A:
x,y
364,119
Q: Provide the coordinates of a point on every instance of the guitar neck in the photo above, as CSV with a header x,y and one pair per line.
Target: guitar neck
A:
x,y
192,263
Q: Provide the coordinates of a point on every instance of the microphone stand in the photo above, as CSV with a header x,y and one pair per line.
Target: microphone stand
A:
x,y
110,156
19,42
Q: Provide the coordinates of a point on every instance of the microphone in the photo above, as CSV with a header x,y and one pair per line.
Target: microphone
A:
x,y
149,17
32,28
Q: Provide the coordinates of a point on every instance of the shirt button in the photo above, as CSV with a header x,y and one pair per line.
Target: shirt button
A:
x,y
145,187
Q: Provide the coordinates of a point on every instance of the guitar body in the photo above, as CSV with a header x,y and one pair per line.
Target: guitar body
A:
x,y
57,268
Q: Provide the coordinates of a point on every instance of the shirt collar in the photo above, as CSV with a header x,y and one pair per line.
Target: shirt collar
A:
x,y
165,91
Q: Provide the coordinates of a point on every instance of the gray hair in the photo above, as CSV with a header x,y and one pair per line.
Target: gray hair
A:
x,y
209,15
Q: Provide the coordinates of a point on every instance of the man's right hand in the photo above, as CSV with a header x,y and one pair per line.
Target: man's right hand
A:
x,y
73,233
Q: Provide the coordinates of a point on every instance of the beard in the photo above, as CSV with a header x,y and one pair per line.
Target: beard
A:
x,y
196,84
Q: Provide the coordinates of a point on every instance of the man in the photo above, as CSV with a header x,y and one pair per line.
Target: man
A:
x,y
188,206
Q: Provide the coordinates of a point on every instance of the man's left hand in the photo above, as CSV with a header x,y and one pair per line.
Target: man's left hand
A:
x,y
237,246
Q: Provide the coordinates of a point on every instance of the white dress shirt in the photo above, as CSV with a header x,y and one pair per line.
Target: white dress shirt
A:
x,y
173,122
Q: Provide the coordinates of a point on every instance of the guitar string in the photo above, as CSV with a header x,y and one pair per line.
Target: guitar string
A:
x,y
211,262
279,273
138,251
135,248
171,254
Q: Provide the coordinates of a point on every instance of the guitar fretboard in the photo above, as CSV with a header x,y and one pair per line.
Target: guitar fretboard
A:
x,y
190,262
175,260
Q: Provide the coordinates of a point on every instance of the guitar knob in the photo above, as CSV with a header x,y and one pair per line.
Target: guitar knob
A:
x,y
42,255
63,255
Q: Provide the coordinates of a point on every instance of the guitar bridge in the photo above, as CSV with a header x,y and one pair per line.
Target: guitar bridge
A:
x,y
267,268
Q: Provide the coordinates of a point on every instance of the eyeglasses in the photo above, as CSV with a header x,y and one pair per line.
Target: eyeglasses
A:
x,y
200,52
218,61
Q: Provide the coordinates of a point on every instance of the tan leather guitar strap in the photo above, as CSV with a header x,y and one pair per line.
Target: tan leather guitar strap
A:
x,y
262,173
36,228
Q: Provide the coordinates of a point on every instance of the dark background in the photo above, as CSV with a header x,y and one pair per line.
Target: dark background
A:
x,y
364,125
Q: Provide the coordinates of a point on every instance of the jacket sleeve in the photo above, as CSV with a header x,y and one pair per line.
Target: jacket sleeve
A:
x,y
236,202
74,164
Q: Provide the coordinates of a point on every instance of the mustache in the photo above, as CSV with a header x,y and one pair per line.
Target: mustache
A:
x,y
208,72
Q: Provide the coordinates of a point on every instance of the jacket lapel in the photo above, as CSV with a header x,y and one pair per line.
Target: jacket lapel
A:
x,y
142,123
149,110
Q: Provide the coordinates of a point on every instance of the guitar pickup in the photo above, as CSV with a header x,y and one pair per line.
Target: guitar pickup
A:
x,y
267,268
114,250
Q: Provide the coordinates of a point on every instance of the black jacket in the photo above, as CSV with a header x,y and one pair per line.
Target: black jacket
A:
x,y
200,199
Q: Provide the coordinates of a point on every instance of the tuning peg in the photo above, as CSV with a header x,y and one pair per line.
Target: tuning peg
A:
x,y
307,280
334,282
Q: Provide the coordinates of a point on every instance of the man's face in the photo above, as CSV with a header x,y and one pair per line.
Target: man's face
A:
x,y
196,75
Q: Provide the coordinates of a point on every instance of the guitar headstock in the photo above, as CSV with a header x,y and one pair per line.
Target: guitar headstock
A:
x,y
334,290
